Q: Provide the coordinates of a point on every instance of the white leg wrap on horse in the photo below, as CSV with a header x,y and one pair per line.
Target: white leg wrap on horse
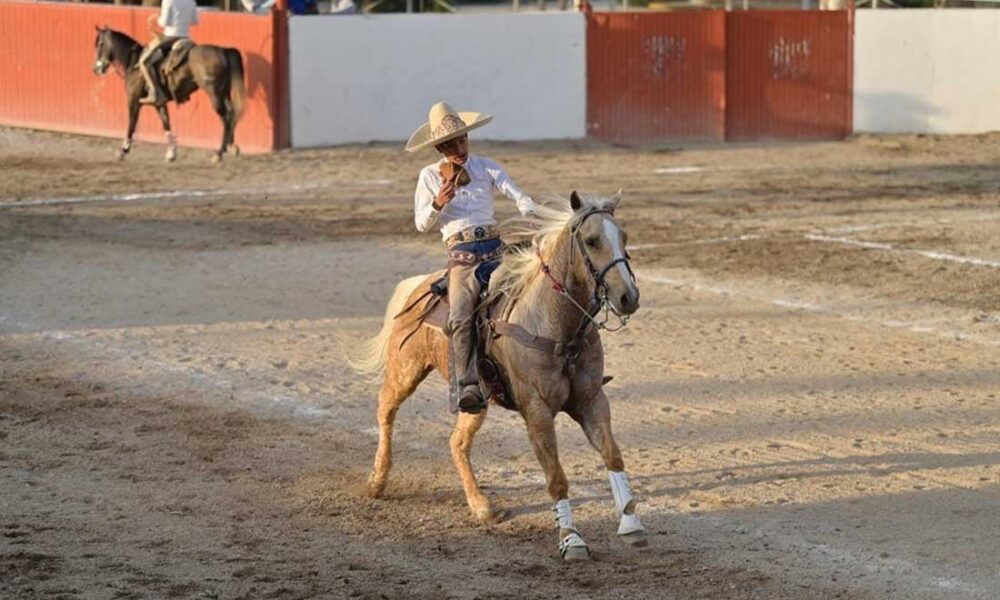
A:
x,y
624,501
571,542
620,490
564,516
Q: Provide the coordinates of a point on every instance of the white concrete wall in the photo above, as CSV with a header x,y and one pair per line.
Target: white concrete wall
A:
x,y
927,71
356,78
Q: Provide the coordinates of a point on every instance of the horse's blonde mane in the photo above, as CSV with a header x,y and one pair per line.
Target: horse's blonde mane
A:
x,y
544,226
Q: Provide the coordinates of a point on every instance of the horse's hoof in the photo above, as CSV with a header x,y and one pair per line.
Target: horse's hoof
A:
x,y
235,150
375,488
573,548
636,539
488,516
217,157
120,155
170,157
576,554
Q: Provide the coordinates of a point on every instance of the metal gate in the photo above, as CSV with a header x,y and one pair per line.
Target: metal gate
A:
x,y
652,77
788,75
714,75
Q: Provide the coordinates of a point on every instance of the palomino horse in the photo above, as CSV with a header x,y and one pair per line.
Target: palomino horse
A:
x,y
548,346
217,71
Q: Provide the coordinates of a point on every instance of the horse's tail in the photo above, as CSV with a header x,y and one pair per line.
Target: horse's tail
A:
x,y
237,91
369,356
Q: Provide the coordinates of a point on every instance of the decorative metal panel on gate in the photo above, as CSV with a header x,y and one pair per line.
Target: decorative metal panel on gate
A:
x,y
656,77
788,75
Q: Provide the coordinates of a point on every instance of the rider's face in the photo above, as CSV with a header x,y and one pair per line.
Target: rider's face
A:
x,y
456,150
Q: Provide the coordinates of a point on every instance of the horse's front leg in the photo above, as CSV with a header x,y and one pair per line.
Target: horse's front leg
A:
x,y
171,139
133,118
541,431
594,416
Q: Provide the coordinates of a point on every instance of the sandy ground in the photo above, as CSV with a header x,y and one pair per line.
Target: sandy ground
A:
x,y
807,399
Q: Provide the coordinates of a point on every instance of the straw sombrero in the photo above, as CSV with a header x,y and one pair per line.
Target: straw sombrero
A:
x,y
443,124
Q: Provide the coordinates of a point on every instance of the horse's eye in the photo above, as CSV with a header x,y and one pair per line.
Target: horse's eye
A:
x,y
593,241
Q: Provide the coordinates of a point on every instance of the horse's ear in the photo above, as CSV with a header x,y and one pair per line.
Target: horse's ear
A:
x,y
574,201
616,200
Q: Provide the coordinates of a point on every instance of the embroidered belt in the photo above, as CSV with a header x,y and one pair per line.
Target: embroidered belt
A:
x,y
474,234
469,259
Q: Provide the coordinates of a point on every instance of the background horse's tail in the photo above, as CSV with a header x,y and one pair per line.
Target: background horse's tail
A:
x,y
237,91
369,356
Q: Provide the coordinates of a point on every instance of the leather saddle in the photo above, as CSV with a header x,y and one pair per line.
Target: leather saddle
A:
x,y
179,51
492,379
180,88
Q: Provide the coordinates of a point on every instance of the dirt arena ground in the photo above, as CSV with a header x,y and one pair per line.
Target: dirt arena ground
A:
x,y
807,399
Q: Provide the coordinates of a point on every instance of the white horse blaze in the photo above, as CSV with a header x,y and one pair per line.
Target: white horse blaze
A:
x,y
614,235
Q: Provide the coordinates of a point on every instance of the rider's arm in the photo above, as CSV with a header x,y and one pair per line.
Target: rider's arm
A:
x,y
506,186
151,25
165,7
425,214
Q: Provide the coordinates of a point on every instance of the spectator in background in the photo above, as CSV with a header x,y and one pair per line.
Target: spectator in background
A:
x,y
343,7
303,7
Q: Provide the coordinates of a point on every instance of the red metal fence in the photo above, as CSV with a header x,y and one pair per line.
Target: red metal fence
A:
x,y
47,82
788,75
717,75
656,76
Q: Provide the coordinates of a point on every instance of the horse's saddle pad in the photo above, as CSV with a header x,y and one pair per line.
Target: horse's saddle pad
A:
x,y
178,54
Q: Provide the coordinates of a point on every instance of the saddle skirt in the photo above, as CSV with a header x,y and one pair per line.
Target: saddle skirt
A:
x,y
179,87
178,54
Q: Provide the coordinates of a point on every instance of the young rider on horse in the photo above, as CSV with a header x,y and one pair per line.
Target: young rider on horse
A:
x,y
176,17
456,194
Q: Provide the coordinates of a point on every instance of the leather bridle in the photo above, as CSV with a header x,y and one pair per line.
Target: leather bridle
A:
x,y
599,299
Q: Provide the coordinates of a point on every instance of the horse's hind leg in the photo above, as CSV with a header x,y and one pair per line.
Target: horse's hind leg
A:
x,y
461,445
401,378
219,104
594,416
230,132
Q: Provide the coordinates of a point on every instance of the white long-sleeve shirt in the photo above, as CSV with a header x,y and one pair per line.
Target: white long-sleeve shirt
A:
x,y
177,16
473,203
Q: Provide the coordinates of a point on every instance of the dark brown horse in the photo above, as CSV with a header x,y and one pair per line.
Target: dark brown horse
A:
x,y
218,71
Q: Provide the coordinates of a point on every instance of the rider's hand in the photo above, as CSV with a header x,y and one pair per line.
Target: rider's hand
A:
x,y
445,195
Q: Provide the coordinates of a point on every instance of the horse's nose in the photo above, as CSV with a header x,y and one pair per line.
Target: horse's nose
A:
x,y
629,302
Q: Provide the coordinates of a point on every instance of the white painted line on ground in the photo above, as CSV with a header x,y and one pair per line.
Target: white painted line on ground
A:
x,y
792,304
969,260
974,218
678,170
13,203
